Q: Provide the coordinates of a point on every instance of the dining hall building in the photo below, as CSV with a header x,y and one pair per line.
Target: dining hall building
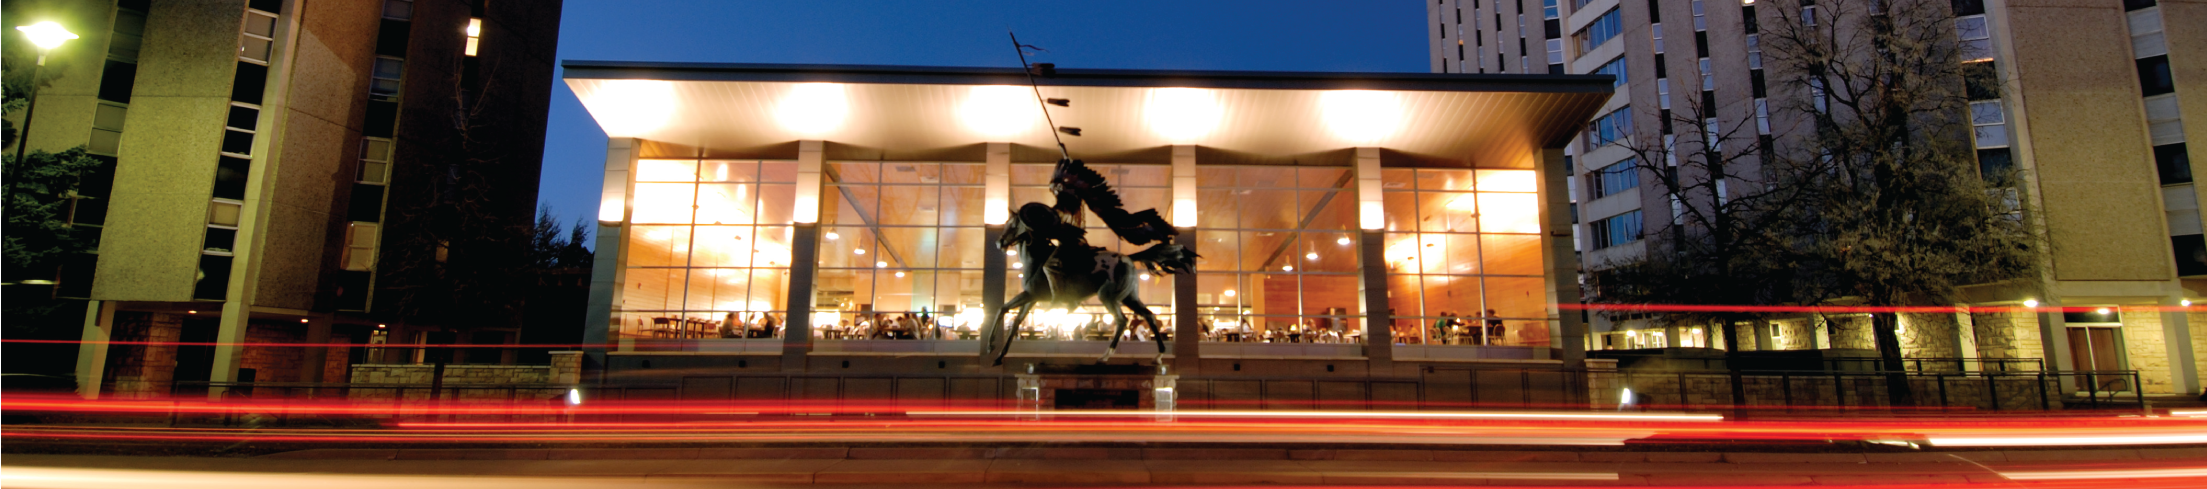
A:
x,y
829,231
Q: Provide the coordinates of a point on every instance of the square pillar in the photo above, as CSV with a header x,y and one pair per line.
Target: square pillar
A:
x,y
1566,332
1187,323
2053,342
996,194
1379,340
2176,331
1965,340
99,327
804,255
606,273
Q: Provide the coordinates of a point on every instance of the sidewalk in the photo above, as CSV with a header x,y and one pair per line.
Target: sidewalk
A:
x,y
539,469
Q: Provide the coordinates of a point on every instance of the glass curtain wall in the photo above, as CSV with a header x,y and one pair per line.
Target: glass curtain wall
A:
x,y
901,248
1463,257
708,249
1279,254
1139,187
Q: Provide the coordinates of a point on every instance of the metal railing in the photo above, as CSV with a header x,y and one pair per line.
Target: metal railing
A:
x,y
1802,390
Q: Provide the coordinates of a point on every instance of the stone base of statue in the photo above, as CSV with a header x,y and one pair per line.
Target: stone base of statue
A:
x,y
1095,387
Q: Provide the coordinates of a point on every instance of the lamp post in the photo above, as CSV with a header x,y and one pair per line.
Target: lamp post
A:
x,y
47,36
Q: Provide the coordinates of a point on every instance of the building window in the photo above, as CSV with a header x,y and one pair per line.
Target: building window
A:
x,y
2163,120
1817,96
708,246
1604,28
1617,230
1614,68
360,246
375,161
258,37
1609,128
1555,51
1708,76
1976,38
1279,248
398,9
474,35
384,82
1990,122
1663,93
1547,9
907,239
1762,116
1617,177
1700,23
2174,164
1463,254
1754,52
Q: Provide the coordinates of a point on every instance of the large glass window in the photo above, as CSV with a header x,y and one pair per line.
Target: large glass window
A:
x,y
901,251
708,249
1140,187
1463,257
1279,254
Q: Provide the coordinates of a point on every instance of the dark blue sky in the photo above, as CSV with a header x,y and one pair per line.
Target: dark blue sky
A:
x,y
1276,35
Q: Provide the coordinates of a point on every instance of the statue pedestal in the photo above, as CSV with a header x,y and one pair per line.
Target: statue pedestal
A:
x,y
1095,387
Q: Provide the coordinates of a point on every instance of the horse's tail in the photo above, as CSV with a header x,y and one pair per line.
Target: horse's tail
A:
x,y
1167,257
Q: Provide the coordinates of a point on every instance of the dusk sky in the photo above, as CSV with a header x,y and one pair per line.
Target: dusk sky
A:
x,y
1278,35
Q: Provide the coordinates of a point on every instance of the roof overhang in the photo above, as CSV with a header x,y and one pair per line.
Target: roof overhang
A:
x,y
1129,116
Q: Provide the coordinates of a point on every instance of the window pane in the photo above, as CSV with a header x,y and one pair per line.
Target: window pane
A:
x,y
653,289
1447,212
1509,213
721,246
666,171
717,290
963,248
1517,297
657,246
908,247
662,203
1221,250
846,247
1511,254
1323,252
726,203
1444,180
769,290
1453,295
729,171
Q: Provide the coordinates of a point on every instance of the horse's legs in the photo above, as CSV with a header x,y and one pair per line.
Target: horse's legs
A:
x,y
1023,301
995,324
1140,309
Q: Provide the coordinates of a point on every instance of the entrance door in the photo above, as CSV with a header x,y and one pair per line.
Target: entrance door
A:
x,y
2097,349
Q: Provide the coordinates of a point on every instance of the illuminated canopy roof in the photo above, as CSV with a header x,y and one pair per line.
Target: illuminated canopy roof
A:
x,y
931,113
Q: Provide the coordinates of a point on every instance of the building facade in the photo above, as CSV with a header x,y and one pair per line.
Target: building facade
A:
x,y
765,224
263,164
2090,107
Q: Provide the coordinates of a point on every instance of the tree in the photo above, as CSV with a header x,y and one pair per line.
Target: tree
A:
x,y
1903,216
1878,200
38,201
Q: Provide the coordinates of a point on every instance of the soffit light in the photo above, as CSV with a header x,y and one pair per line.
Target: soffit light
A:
x,y
999,110
631,108
1182,115
814,108
1361,116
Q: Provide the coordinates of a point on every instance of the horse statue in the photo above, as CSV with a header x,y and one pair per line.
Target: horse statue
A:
x,y
1062,268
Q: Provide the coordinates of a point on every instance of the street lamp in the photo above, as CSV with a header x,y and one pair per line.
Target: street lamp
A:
x,y
45,36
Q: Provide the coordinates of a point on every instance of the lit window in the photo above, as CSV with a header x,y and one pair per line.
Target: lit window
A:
x,y
1610,128
258,38
474,34
360,246
383,83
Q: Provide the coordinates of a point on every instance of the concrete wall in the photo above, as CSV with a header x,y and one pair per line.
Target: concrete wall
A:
x,y
166,172
315,149
2083,133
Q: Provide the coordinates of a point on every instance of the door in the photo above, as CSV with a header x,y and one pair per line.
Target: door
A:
x,y
2098,349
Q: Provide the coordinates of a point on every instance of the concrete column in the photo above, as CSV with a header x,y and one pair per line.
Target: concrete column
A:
x,y
1566,331
2176,336
245,265
1379,340
2053,343
804,255
804,259
1822,327
1762,335
606,273
1187,323
311,360
99,327
1965,340
996,194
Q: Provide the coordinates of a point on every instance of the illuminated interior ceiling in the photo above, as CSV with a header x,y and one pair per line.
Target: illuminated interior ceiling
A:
x,y
926,113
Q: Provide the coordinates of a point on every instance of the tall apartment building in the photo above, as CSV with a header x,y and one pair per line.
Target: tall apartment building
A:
x,y
2091,108
264,166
